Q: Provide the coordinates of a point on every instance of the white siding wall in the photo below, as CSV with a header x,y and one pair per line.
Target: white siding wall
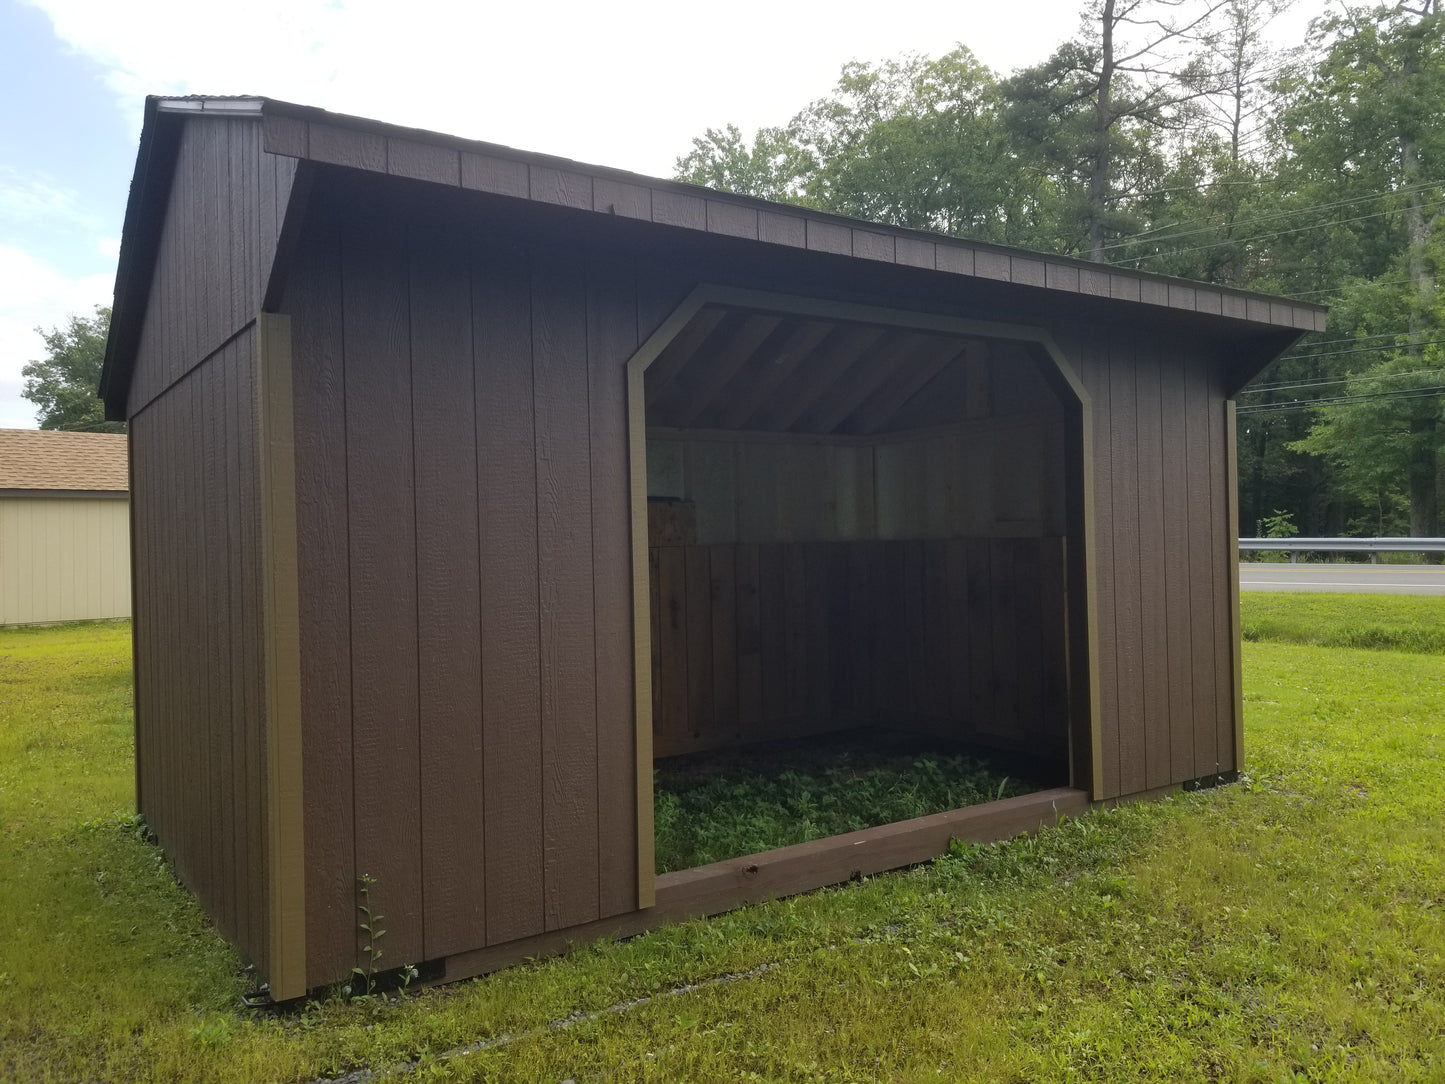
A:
x,y
63,559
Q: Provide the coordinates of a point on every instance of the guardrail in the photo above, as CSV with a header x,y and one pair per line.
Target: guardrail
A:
x,y
1373,546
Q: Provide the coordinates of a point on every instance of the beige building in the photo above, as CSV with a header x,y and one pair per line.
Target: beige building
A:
x,y
64,526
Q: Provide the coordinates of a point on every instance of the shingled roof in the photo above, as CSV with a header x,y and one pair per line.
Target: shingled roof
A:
x,y
53,461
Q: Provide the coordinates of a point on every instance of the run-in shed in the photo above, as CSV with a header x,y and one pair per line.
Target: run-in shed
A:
x,y
466,480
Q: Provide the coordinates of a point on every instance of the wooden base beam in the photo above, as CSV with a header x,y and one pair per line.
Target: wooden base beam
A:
x,y
737,882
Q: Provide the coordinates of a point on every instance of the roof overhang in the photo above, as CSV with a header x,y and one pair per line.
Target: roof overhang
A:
x,y
1262,325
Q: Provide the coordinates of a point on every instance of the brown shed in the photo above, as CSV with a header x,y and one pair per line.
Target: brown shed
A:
x,y
467,481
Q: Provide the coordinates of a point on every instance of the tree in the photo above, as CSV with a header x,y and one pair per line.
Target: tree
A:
x,y
916,142
770,168
1366,125
63,385
1100,107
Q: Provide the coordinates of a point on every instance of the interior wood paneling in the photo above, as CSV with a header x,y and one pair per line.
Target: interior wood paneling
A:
x,y
860,633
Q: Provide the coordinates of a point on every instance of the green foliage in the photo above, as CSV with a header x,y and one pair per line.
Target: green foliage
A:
x,y
710,807
769,168
1284,928
1280,525
63,384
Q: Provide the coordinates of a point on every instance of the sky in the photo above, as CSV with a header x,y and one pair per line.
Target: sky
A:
x,y
626,85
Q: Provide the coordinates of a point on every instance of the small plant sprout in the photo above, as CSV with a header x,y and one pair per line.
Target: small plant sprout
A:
x,y
369,934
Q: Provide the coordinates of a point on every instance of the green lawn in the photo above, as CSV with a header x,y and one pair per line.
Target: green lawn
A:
x,y
1290,927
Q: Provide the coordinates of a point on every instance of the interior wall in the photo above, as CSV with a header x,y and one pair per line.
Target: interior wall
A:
x,y
962,638
915,580
996,476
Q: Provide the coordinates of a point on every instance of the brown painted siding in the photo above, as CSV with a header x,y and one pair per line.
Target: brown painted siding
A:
x,y
199,705
227,199
1161,558
466,614
479,677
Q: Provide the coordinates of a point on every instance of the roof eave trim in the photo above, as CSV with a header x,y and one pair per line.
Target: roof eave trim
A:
x,y
474,165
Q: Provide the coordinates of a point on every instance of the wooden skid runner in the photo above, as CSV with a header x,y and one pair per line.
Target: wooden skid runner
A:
x,y
737,882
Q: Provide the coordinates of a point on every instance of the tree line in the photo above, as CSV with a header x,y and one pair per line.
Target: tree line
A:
x,y
1169,135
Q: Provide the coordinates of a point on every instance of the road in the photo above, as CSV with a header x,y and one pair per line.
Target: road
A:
x,y
1374,579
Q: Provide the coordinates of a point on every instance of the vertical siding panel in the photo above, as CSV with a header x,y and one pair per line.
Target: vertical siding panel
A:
x,y
235,706
380,496
980,638
138,465
795,634
1174,478
1223,573
611,341
1054,646
750,660
723,607
507,514
890,663
863,615
937,662
213,510
313,297
448,604
1128,641
771,622
139,618
697,643
1029,616
564,555
220,272
1201,570
915,635
1095,365
193,720
1003,600
960,657
1154,614
669,726
253,669
158,816
817,627
243,247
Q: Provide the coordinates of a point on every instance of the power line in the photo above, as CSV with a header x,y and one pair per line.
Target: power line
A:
x,y
1309,404
1138,237
1377,348
1353,339
1267,236
1290,384
1333,289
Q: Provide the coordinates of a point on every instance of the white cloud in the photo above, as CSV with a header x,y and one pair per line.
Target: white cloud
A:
x,y
621,86
34,198
34,294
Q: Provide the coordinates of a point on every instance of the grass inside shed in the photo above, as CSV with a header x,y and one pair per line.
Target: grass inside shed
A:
x,y
727,803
